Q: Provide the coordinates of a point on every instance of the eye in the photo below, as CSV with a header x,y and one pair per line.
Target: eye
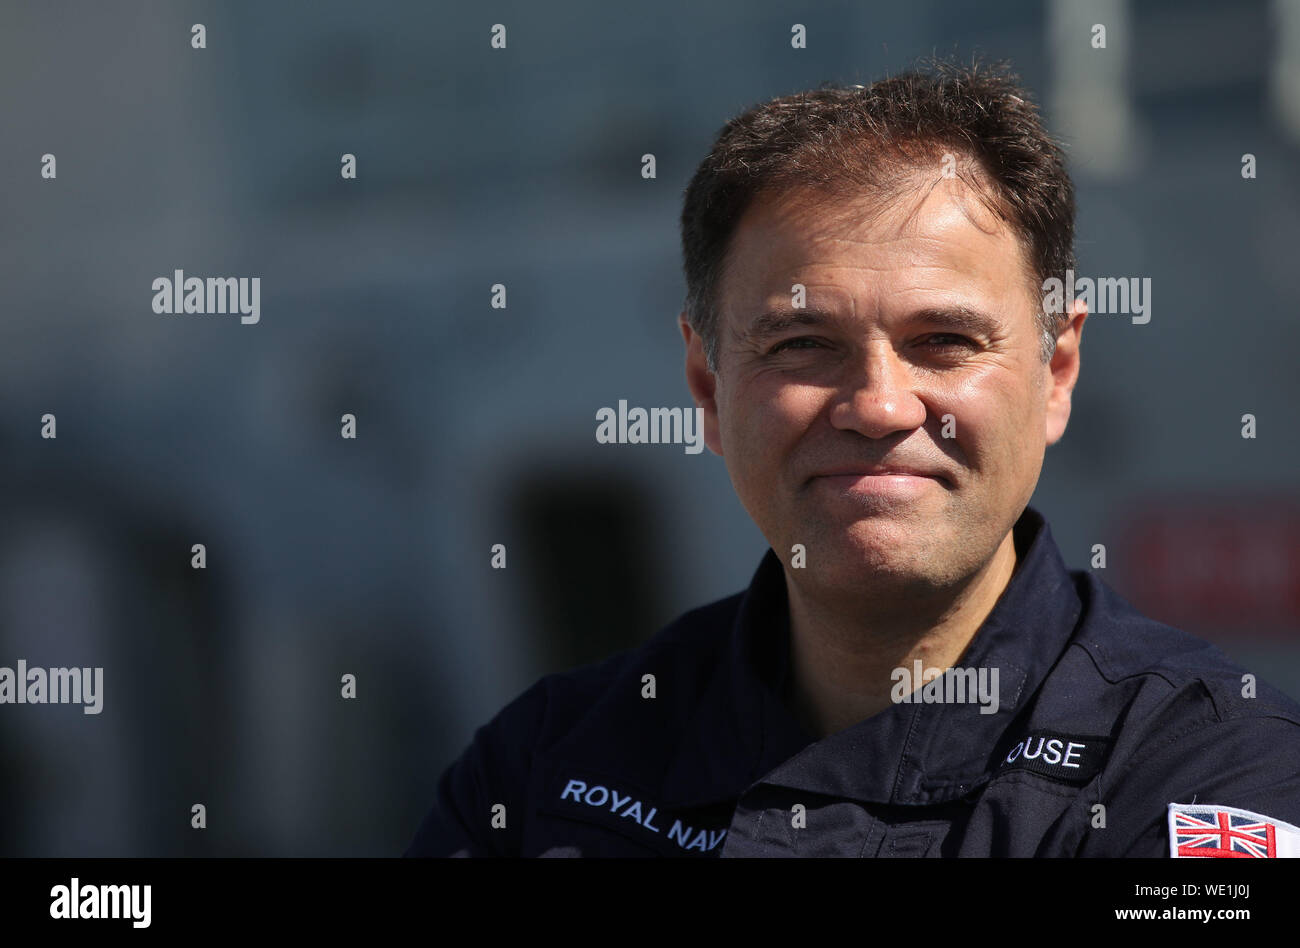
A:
x,y
947,340
800,342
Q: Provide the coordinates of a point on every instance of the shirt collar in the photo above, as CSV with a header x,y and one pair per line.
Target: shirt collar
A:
x,y
908,753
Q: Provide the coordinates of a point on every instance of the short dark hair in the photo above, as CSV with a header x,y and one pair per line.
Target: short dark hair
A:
x,y
874,138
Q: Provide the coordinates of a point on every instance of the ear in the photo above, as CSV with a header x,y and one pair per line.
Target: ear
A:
x,y
702,383
1064,372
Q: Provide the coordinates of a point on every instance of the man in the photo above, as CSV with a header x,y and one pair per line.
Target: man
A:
x,y
913,671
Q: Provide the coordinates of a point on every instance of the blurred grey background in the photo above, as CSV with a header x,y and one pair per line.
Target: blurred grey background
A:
x,y
476,425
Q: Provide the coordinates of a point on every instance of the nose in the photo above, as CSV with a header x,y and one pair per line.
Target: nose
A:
x,y
879,397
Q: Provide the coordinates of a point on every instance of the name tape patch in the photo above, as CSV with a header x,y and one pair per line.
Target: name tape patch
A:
x,y
594,799
1071,758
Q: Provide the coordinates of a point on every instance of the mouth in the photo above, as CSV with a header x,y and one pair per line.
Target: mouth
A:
x,y
878,481
883,471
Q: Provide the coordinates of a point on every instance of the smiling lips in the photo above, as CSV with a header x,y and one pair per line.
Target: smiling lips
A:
x,y
877,470
892,479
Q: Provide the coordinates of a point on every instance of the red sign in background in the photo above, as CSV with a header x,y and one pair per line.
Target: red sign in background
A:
x,y
1213,566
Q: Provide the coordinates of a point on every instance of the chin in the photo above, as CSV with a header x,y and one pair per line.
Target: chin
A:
x,y
889,533
873,551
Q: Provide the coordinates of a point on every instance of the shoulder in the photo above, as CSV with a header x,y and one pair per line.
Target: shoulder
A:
x,y
496,770
1186,724
1133,653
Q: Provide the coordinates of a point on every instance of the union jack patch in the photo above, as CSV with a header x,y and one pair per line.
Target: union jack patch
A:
x,y
1207,830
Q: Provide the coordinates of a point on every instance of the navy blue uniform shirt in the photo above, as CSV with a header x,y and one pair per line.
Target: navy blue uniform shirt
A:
x,y
1104,718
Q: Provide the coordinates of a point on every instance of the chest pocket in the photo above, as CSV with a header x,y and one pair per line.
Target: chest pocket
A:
x,y
912,840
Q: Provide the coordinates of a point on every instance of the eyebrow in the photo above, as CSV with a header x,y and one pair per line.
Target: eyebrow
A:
x,y
957,317
776,321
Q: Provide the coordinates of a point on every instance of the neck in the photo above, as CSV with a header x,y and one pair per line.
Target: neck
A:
x,y
843,652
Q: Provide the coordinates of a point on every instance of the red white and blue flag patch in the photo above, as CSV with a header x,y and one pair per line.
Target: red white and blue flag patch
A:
x,y
1205,830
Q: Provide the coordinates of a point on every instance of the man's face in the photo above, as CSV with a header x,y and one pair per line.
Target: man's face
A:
x,y
895,425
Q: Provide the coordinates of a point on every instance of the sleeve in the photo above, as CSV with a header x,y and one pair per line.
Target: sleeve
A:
x,y
481,799
1245,763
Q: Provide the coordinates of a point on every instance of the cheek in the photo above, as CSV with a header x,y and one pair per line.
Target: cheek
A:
x,y
761,424
995,419
770,415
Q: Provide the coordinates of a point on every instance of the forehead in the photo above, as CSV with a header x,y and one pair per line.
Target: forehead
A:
x,y
929,241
